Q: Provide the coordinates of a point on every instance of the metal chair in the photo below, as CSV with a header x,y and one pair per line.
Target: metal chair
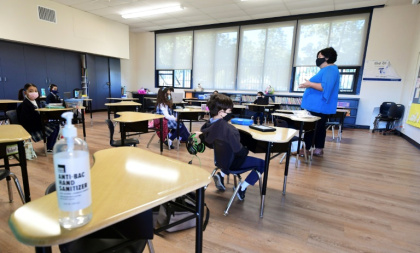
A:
x,y
383,116
156,128
128,236
7,174
118,143
221,150
12,116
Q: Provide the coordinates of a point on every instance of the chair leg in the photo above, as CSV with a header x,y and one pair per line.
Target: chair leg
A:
x,y
19,188
339,133
282,158
333,128
151,139
233,197
150,246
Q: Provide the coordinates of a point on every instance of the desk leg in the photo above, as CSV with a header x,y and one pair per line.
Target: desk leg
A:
x,y
265,178
122,129
43,250
83,122
199,209
90,110
9,184
25,180
109,112
177,129
161,135
43,119
299,141
286,167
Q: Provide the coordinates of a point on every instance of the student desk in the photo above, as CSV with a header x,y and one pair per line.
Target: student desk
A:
x,y
307,123
10,135
138,122
144,177
196,101
259,108
8,104
238,109
268,142
122,99
187,114
122,106
340,115
87,103
48,114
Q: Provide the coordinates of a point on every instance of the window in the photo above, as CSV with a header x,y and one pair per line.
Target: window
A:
x,y
254,55
215,54
347,34
265,56
174,59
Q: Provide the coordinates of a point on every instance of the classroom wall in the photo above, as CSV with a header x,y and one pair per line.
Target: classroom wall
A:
x,y
75,30
394,36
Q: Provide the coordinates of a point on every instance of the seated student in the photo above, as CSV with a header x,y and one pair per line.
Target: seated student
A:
x,y
218,128
215,92
164,107
31,120
261,100
53,96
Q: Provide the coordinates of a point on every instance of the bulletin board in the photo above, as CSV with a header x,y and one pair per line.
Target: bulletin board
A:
x,y
414,113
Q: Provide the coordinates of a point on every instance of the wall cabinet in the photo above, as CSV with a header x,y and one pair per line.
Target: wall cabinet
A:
x,y
104,79
22,63
12,66
289,102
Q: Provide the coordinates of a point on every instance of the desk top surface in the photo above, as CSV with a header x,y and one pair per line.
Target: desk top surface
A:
x,y
129,117
269,105
140,180
123,99
9,101
281,135
190,109
55,109
123,103
239,106
293,117
196,100
11,133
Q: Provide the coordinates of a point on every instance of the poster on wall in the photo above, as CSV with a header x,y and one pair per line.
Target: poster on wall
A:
x,y
414,113
380,71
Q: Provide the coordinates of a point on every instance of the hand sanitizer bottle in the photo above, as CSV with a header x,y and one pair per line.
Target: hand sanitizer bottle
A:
x,y
72,177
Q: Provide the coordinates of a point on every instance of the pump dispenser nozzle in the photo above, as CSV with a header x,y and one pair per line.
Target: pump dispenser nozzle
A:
x,y
69,131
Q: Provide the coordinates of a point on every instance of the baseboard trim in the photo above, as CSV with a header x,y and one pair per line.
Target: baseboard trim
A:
x,y
411,141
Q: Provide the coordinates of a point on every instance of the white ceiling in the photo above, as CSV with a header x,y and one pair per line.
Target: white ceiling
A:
x,y
204,12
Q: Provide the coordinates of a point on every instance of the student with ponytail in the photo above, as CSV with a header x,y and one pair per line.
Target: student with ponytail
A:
x,y
31,119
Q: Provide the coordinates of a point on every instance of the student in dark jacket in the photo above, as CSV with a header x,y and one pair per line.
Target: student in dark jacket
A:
x,y
53,96
218,128
31,119
261,100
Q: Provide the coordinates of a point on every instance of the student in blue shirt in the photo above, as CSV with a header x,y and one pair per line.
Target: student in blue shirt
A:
x,y
321,95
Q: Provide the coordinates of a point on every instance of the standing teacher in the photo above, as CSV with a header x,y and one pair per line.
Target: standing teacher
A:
x,y
320,97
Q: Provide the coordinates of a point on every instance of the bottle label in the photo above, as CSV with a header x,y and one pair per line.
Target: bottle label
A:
x,y
72,180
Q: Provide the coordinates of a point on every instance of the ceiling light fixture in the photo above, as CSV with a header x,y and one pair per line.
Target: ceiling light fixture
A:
x,y
150,12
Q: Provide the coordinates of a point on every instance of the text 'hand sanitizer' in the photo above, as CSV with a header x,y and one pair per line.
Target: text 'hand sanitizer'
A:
x,y
72,177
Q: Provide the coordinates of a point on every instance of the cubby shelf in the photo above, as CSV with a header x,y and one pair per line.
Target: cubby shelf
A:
x,y
288,102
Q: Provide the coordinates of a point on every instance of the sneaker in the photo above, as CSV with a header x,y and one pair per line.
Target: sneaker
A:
x,y
166,143
241,194
318,152
49,151
219,181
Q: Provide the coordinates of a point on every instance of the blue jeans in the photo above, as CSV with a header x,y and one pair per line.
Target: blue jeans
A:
x,y
251,163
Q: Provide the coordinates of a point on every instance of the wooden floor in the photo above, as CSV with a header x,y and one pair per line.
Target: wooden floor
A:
x,y
362,196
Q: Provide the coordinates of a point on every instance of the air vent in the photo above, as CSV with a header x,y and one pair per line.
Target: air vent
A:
x,y
47,14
